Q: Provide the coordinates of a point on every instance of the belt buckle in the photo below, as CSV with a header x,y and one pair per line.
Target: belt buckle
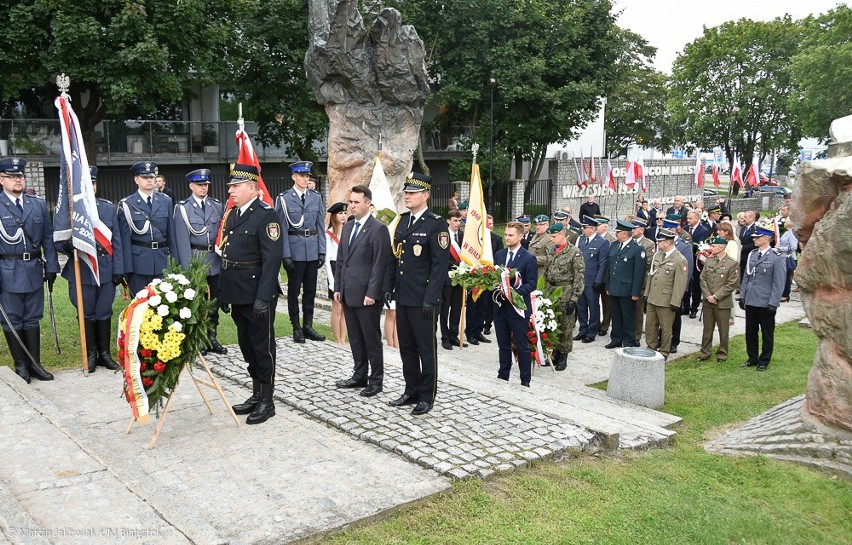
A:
x,y
155,245
210,247
307,232
27,256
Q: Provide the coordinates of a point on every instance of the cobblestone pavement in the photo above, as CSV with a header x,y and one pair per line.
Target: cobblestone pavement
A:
x,y
467,433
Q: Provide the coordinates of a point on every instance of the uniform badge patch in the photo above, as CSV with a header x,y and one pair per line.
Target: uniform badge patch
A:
x,y
444,240
273,231
642,255
417,249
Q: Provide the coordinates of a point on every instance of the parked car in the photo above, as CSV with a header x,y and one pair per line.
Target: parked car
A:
x,y
777,189
766,180
710,192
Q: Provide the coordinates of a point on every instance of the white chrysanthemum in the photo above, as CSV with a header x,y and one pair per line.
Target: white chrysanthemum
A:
x,y
142,294
155,301
155,282
189,294
185,313
171,296
166,287
177,327
163,310
180,279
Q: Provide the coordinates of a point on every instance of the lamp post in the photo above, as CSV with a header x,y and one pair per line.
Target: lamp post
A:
x,y
492,83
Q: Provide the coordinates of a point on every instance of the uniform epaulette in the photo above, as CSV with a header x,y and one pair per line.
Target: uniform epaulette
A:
x,y
433,215
315,191
263,204
777,251
214,199
104,200
185,201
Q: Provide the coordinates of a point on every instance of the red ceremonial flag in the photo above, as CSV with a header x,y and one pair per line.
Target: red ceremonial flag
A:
x,y
753,177
699,173
737,172
715,171
585,171
610,176
577,170
630,175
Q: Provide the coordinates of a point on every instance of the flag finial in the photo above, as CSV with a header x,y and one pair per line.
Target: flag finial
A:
x,y
64,83
241,124
475,149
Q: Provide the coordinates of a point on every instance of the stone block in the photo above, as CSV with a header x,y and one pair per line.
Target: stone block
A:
x,y
638,375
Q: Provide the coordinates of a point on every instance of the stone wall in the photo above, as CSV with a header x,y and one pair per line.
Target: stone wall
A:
x,y
34,173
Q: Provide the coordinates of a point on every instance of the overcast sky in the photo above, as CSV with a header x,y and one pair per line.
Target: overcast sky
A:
x,y
671,24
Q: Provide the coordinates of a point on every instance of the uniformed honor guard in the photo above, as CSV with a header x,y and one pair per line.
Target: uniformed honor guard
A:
x,y
528,233
415,280
249,290
302,214
719,279
540,241
640,227
564,268
664,292
627,261
147,230
197,219
595,250
97,297
760,295
27,261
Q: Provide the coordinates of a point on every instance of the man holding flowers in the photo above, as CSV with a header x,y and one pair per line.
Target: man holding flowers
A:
x,y
564,268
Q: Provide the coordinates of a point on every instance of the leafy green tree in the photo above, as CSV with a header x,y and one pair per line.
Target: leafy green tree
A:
x,y
120,55
636,108
731,87
551,62
822,70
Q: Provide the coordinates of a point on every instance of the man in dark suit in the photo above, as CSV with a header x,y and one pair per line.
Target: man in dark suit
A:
x,y
698,233
678,208
415,279
510,324
249,290
362,258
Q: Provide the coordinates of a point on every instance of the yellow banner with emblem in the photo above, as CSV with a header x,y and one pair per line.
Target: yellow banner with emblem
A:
x,y
476,245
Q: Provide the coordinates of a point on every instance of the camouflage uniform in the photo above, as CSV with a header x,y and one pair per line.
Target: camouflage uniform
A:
x,y
566,269
538,248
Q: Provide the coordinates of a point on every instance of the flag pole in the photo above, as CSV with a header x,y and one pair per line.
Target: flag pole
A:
x,y
475,149
63,82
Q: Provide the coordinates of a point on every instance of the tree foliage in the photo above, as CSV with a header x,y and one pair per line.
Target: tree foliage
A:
x,y
551,62
636,108
731,86
822,71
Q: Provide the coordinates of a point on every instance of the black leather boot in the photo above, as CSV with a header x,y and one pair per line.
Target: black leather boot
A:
x,y
18,356
32,340
215,347
298,334
554,358
103,329
91,343
248,406
265,409
562,363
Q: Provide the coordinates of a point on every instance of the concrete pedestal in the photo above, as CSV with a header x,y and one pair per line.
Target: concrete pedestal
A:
x,y
638,375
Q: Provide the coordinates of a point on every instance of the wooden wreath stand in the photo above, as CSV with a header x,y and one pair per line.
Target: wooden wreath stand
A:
x,y
214,384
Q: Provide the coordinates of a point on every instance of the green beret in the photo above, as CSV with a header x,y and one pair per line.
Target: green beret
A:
x,y
718,240
541,218
555,228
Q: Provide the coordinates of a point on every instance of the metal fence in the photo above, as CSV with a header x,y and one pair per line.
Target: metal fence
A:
x,y
539,201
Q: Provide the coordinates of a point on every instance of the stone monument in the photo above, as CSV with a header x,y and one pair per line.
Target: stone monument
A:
x,y
373,84
816,429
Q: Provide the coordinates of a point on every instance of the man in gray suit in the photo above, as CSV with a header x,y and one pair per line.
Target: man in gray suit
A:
x,y
302,215
362,258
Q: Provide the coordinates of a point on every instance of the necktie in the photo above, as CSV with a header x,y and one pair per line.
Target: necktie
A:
x,y
19,205
458,238
355,233
588,240
149,204
511,258
203,208
411,220
303,199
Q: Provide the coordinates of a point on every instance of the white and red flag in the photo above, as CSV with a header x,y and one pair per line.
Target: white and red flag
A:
x,y
610,176
737,172
76,218
640,174
715,171
753,177
577,170
699,172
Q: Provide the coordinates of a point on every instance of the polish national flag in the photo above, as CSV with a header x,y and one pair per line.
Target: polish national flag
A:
x,y
715,171
699,173
610,176
753,177
737,172
630,176
640,174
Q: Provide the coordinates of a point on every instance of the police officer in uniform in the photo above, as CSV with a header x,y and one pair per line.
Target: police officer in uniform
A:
x,y
719,279
528,234
97,296
760,295
572,231
26,237
564,268
302,214
650,247
197,219
540,241
415,280
147,230
249,290
627,261
595,250
668,281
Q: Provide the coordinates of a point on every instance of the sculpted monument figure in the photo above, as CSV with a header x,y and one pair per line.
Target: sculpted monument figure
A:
x,y
372,82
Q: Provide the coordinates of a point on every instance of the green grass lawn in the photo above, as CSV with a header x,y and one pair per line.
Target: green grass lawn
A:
x,y
676,495
69,332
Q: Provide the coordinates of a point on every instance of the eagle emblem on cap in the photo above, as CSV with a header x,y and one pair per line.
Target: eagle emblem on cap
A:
x,y
147,166
16,161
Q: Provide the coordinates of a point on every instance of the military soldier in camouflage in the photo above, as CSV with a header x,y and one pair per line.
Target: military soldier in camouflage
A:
x,y
664,292
564,267
719,279
540,242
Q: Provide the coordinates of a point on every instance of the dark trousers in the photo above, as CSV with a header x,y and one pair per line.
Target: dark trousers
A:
x,y
623,324
678,321
97,300
365,338
788,284
692,298
302,279
507,326
136,282
418,348
25,310
489,309
762,318
589,312
257,341
474,315
451,301
213,286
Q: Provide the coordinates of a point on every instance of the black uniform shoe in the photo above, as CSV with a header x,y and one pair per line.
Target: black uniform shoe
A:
x,y
32,340
18,356
248,406
693,314
215,347
579,337
748,364
527,384
562,363
611,345
483,339
311,334
603,332
371,390
421,408
762,367
91,339
298,336
473,341
103,330
456,342
673,350
588,339
486,331
402,400
265,409
446,345
351,383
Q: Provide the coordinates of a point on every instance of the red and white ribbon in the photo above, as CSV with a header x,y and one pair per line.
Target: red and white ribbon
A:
x,y
506,286
130,323
538,355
